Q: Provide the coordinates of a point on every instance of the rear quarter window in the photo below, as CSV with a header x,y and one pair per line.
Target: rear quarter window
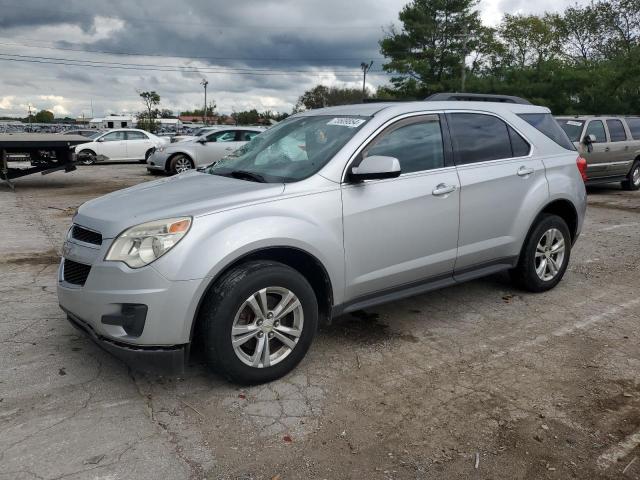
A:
x,y
547,125
634,127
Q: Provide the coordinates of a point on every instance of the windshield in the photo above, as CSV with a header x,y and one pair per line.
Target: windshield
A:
x,y
573,128
292,150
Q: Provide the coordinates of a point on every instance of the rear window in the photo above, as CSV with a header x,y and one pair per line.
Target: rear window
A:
x,y
634,127
573,128
546,124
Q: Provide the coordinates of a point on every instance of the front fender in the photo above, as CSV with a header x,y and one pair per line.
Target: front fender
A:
x,y
217,240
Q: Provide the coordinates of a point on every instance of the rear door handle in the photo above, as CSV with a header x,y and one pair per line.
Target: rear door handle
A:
x,y
524,171
228,148
443,189
606,149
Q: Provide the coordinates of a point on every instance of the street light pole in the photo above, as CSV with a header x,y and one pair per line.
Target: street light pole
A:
x,y
204,83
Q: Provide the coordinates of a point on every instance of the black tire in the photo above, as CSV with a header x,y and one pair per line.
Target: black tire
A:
x,y
146,156
630,183
525,275
87,157
223,302
175,162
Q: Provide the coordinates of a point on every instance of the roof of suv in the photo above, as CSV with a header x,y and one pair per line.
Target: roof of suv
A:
x,y
371,109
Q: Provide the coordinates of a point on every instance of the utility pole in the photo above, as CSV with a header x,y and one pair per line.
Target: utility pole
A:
x,y
365,68
29,117
204,83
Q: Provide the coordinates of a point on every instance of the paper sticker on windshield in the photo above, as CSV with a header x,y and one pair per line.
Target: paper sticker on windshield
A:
x,y
346,122
575,124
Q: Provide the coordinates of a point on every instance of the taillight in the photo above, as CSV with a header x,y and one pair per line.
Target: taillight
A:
x,y
582,167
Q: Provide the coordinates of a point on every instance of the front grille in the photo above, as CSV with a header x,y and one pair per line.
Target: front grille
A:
x,y
75,273
87,236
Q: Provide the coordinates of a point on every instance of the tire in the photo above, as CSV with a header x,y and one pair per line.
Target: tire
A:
x,y
180,163
87,157
537,250
633,177
225,305
146,156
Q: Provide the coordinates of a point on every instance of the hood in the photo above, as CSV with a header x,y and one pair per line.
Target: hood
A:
x,y
189,194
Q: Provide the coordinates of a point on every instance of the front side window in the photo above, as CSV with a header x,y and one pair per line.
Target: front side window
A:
x,y
114,137
292,150
417,144
596,128
227,136
478,138
616,131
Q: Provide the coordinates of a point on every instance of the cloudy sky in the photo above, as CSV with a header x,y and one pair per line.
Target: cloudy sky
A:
x,y
76,57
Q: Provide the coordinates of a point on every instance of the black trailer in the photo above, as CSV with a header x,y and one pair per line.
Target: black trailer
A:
x,y
28,153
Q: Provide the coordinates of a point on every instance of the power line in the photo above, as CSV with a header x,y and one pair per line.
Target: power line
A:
x,y
80,63
194,57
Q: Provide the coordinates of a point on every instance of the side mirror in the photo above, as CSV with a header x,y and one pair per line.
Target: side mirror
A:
x,y
101,139
202,140
588,141
376,167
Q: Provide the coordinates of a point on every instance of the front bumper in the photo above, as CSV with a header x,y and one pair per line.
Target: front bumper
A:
x,y
157,161
148,359
129,312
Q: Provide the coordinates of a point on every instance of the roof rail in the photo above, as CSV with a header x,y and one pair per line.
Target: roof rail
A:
x,y
476,97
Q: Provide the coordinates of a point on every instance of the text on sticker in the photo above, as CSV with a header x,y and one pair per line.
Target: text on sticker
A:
x,y
346,122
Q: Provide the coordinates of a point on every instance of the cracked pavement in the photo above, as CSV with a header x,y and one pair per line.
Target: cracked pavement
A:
x,y
521,385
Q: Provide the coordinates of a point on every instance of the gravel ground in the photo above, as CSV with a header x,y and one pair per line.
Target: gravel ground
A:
x,y
478,381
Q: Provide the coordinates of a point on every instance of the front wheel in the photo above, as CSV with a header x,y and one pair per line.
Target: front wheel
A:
x,y
87,157
545,255
633,178
180,163
258,321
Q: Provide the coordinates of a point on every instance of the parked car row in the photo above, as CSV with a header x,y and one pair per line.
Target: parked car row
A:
x,y
611,146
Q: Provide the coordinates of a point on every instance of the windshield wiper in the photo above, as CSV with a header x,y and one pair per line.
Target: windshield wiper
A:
x,y
246,175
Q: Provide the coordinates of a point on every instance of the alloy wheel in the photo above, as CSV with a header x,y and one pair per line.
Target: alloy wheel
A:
x,y
549,254
182,164
267,327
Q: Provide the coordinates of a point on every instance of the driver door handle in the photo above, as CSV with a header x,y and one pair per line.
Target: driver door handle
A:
x,y
524,171
443,189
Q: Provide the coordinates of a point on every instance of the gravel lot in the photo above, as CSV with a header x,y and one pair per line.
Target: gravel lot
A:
x,y
478,381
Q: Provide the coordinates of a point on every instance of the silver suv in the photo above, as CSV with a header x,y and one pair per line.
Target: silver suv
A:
x,y
330,211
611,146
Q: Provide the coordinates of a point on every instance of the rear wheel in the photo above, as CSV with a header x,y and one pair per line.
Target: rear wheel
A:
x,y
545,255
258,321
180,163
633,178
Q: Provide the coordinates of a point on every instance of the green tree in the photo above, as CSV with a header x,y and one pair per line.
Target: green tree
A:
x,y
429,51
321,96
146,119
43,116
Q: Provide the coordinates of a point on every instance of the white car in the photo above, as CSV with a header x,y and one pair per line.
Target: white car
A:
x,y
122,144
210,147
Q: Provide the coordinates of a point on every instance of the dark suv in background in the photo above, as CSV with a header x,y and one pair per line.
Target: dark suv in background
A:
x,y
611,146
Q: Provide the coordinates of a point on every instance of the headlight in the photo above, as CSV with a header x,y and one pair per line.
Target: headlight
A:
x,y
160,148
144,243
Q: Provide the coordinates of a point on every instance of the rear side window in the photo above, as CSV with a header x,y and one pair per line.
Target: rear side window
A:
x,y
634,127
596,128
616,131
546,124
478,138
136,136
416,144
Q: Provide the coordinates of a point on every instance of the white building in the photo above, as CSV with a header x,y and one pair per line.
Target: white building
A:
x,y
113,121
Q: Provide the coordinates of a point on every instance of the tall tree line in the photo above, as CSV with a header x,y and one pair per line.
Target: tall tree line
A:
x,y
585,60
